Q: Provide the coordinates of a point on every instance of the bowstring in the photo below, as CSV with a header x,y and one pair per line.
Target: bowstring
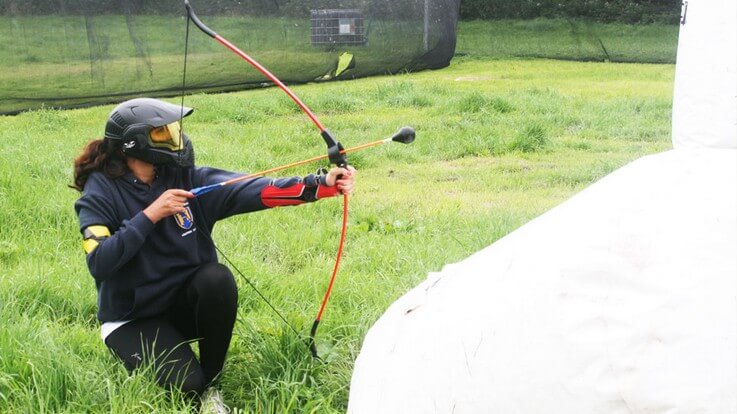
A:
x,y
184,87
207,230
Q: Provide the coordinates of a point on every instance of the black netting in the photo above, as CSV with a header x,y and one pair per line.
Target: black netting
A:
x,y
69,53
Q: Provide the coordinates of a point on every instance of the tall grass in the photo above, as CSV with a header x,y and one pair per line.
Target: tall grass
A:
x,y
499,142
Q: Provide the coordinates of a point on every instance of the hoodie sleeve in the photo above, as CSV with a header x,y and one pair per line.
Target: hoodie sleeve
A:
x,y
259,193
125,238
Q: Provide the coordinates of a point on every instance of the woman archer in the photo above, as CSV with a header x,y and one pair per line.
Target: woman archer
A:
x,y
148,246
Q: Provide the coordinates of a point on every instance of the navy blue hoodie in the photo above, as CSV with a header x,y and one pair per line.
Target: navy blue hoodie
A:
x,y
141,266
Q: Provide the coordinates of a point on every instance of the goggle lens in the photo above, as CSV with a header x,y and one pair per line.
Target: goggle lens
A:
x,y
169,136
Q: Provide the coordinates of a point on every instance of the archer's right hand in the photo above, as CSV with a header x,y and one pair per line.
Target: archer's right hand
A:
x,y
168,204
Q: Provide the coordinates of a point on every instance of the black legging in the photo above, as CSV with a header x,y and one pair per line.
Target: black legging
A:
x,y
205,311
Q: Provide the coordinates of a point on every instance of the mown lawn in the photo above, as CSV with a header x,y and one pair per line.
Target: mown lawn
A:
x,y
499,142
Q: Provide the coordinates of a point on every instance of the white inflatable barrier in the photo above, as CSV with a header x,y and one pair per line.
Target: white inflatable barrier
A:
x,y
705,93
621,300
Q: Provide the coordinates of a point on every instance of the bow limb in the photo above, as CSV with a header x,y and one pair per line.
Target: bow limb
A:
x,y
196,20
334,147
318,318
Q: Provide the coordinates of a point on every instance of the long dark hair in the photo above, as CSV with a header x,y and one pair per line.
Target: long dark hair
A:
x,y
99,155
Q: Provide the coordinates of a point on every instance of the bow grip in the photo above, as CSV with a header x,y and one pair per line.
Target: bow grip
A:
x,y
335,149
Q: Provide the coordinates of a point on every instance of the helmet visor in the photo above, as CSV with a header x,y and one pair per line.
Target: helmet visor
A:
x,y
168,136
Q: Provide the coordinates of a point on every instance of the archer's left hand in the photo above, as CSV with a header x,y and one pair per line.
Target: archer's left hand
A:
x,y
343,178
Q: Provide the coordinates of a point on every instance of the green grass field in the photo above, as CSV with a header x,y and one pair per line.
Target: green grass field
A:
x,y
499,142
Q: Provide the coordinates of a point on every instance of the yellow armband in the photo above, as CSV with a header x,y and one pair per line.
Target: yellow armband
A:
x,y
92,237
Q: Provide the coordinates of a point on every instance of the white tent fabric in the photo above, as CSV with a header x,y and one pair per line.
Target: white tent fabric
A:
x,y
622,299
705,92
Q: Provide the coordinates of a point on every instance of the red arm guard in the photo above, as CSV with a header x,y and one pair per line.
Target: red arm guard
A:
x,y
325,191
273,196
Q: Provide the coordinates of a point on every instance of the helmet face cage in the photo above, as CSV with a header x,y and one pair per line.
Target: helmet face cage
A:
x,y
150,130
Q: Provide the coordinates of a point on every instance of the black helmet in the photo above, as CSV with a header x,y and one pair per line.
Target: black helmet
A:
x,y
150,130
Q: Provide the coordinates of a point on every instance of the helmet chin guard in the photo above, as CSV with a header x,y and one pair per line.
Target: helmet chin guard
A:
x,y
132,122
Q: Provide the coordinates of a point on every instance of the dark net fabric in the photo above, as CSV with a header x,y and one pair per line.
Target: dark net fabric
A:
x,y
73,53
